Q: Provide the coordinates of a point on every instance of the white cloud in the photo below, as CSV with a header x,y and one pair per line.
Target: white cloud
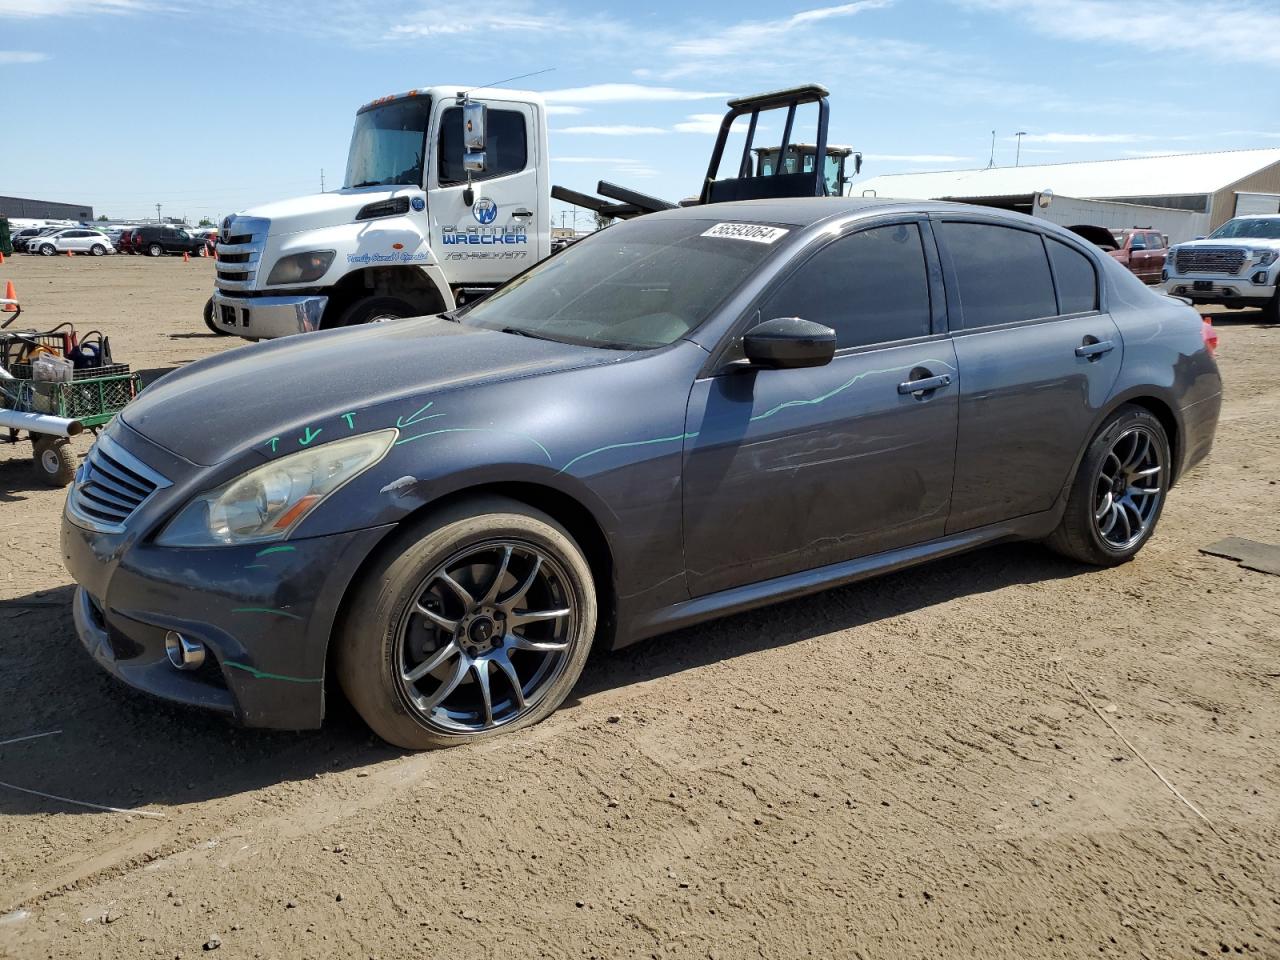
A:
x,y
1234,30
21,56
628,93
564,110
612,130
604,161
30,9
710,123
916,157
750,36
1082,138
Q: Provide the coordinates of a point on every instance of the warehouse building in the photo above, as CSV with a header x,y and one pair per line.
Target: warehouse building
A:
x,y
23,209
1183,194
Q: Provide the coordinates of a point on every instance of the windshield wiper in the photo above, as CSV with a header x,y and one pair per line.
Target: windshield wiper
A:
x,y
528,333
366,183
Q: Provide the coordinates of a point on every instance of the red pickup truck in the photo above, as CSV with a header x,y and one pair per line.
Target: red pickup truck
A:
x,y
1141,249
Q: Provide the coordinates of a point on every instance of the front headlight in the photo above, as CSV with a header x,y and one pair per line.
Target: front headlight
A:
x,y
1265,258
301,267
1169,259
269,501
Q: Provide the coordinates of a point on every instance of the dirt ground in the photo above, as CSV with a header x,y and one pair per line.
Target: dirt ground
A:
x,y
902,768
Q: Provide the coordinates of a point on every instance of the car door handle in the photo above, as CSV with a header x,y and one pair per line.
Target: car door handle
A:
x,y
522,213
927,385
1097,348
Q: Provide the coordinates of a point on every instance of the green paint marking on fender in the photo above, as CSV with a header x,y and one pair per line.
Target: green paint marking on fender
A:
x,y
272,443
351,419
269,610
620,446
263,675
417,415
306,440
432,433
279,548
256,566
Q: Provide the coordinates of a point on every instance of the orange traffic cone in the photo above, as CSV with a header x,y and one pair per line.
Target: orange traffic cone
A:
x,y
186,257
9,294
1,257
71,253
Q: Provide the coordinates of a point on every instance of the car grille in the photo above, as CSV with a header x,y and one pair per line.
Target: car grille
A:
x,y
1208,260
240,244
111,485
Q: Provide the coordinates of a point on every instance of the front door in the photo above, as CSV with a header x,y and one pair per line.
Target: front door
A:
x,y
1033,349
501,231
788,470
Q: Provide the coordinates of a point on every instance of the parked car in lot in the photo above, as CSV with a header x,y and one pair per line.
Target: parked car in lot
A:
x,y
155,240
1238,265
686,415
23,238
72,240
1142,250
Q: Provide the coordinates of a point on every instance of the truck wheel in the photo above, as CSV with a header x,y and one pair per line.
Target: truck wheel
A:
x,y
1271,311
208,320
55,463
376,309
475,621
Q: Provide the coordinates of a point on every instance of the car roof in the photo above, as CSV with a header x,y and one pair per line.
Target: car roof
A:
x,y
807,211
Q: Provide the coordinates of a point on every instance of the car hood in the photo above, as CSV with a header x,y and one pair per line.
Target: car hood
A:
x,y
219,408
318,210
1260,243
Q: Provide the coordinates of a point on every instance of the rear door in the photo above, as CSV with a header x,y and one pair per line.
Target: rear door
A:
x,y
497,235
788,470
1037,357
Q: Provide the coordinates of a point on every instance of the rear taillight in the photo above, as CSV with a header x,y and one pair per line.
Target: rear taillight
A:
x,y
1210,335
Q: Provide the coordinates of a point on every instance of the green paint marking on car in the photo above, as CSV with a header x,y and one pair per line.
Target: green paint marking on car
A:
x,y
351,419
309,436
417,415
278,548
620,446
272,443
263,675
433,433
844,386
268,610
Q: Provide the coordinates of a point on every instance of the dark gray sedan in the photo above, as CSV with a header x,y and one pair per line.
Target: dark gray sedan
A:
x,y
689,414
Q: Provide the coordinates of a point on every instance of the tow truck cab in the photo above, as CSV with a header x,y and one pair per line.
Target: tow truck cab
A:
x,y
801,157
445,197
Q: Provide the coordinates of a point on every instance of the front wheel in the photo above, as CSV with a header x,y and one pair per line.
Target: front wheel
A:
x,y
208,320
1271,310
474,622
55,463
47,250
376,310
1118,493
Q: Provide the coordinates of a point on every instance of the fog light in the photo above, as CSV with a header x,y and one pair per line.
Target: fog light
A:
x,y
184,654
1260,278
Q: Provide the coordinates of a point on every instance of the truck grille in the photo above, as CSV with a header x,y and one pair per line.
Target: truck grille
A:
x,y
111,485
240,243
1209,260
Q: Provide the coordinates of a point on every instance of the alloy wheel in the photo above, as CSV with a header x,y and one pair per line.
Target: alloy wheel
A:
x,y
490,630
1128,488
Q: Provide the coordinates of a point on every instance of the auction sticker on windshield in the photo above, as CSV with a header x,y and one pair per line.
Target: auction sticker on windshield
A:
x,y
755,232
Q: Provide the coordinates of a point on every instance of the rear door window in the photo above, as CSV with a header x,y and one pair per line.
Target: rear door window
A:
x,y
870,287
1077,282
1002,273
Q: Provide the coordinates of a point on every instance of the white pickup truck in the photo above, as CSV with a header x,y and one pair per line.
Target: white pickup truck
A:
x,y
446,196
1238,265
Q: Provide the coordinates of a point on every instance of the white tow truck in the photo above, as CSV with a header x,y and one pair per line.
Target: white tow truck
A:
x,y
447,195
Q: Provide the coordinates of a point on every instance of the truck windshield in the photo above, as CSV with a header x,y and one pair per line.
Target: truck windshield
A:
x,y
388,144
637,285
1248,228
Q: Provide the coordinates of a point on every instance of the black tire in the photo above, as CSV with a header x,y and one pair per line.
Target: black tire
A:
x,y
47,250
208,320
53,460
98,250
155,250
1271,309
368,652
376,308
1078,535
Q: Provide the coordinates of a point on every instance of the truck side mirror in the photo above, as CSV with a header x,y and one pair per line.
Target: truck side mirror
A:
x,y
474,116
473,161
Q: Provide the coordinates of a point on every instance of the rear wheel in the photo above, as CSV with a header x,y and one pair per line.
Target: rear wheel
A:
x,y
55,463
98,250
375,310
1118,493
475,622
155,250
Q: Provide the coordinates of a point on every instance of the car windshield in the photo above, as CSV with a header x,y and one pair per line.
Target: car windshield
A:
x,y
1248,228
388,144
640,284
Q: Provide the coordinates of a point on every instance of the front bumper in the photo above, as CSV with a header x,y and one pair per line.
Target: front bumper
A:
x,y
1220,289
264,318
263,612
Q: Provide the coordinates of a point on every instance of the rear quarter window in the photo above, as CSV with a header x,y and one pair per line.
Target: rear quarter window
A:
x,y
1002,273
1077,281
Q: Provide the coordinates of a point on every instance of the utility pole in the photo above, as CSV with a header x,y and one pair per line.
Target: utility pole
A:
x,y
992,162
157,213
322,179
1018,159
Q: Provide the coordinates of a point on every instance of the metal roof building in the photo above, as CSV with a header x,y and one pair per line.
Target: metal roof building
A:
x,y
1214,184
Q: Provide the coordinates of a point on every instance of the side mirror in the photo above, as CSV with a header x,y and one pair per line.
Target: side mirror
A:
x,y
473,161
787,342
474,116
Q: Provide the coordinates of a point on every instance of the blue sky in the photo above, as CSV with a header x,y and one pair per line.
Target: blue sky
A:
x,y
209,106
